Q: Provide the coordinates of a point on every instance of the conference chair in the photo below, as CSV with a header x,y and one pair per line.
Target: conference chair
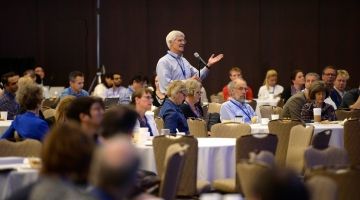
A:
x,y
281,128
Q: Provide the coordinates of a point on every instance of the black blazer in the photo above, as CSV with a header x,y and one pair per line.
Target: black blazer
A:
x,y
186,110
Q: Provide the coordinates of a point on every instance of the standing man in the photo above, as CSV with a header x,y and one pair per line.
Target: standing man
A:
x,y
76,81
173,66
7,100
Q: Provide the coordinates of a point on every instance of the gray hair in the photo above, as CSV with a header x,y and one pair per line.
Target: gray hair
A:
x,y
313,74
172,36
175,87
191,86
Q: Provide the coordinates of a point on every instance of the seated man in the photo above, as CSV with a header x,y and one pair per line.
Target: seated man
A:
x,y
236,105
88,112
7,100
116,91
293,106
351,99
136,83
235,73
338,92
76,81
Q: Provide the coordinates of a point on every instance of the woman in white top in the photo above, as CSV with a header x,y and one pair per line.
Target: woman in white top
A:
x,y
270,89
142,100
106,83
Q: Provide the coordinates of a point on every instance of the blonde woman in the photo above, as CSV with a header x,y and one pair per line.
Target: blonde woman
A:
x,y
173,118
270,89
191,106
62,108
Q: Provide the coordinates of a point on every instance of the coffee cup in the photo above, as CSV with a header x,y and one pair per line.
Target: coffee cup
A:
x,y
3,115
165,131
317,114
264,121
275,116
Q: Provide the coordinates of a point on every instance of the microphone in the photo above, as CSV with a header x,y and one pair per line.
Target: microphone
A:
x,y
200,59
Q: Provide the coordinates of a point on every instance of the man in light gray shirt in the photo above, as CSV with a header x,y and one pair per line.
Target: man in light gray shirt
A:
x,y
173,66
292,107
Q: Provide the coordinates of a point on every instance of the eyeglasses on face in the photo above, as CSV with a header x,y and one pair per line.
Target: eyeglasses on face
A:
x,y
242,88
329,74
148,97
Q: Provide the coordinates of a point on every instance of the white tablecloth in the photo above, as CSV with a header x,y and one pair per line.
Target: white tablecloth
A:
x,y
337,136
216,158
4,125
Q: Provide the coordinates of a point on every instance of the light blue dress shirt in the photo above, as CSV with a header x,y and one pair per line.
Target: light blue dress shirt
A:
x,y
232,108
70,92
121,92
174,67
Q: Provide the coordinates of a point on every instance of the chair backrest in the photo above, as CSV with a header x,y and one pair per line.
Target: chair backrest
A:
x,y
230,130
197,127
48,113
248,173
159,123
329,157
217,98
347,182
50,102
23,148
173,165
255,143
266,111
253,104
300,139
321,139
214,108
281,128
352,140
346,114
188,179
322,188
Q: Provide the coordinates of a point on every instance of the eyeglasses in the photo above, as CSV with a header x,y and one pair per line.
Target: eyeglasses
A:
x,y
148,97
242,88
329,74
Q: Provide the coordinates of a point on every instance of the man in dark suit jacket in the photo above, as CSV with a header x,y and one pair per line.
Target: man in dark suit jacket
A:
x,y
339,87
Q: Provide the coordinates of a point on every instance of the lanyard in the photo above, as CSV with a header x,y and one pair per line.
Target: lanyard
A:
x,y
181,64
247,112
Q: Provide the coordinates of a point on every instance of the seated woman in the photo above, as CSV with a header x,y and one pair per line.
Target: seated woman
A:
x,y
142,101
297,84
62,108
158,97
270,89
173,118
317,94
28,124
191,106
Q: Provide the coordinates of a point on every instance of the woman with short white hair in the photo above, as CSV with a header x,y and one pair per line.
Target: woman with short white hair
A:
x,y
173,118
